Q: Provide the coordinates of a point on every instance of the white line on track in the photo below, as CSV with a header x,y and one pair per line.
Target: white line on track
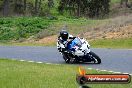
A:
x,y
110,71
90,68
103,70
30,61
117,72
39,62
97,69
87,68
49,63
125,73
22,60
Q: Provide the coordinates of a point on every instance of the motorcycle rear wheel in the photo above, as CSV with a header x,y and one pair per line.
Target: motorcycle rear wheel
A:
x,y
95,57
69,59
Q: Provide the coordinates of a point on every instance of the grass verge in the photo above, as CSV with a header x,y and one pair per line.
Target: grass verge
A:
x,y
16,74
22,28
26,44
100,43
115,1
112,43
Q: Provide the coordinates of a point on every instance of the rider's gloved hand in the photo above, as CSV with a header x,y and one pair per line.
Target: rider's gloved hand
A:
x,y
65,44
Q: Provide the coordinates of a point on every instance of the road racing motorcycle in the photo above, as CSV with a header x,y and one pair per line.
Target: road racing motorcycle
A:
x,y
77,50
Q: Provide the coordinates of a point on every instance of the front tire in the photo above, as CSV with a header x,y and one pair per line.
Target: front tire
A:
x,y
95,57
67,60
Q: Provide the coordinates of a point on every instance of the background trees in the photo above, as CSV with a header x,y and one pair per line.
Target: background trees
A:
x,y
20,7
91,8
126,3
6,7
78,8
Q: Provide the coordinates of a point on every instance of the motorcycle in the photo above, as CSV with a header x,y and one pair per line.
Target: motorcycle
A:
x,y
77,50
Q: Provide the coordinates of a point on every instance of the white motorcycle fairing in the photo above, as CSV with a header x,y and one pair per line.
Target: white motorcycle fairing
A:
x,y
77,48
84,49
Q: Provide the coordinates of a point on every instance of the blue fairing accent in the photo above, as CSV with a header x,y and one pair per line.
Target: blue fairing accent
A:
x,y
72,44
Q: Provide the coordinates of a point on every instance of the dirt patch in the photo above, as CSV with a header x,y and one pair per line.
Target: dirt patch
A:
x,y
48,40
119,27
121,32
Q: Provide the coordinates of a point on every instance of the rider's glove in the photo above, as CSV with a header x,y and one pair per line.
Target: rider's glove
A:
x,y
65,43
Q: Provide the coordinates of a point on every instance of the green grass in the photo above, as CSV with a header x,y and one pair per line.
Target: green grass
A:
x,y
26,44
112,43
16,74
100,43
115,1
76,26
22,28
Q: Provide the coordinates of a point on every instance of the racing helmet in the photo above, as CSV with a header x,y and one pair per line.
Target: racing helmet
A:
x,y
64,35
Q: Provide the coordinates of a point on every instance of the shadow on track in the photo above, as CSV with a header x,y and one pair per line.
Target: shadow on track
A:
x,y
79,63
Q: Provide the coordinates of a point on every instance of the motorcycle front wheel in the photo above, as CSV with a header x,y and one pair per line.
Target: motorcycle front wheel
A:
x,y
66,58
95,57
69,59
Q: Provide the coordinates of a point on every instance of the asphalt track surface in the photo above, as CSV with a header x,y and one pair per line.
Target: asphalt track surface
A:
x,y
119,60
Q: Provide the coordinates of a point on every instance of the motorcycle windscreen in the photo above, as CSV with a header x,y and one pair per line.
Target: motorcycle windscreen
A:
x,y
75,43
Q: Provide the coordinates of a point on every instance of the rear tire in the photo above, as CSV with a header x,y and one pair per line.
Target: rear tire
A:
x,y
96,58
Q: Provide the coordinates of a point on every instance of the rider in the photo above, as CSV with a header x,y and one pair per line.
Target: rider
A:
x,y
63,38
